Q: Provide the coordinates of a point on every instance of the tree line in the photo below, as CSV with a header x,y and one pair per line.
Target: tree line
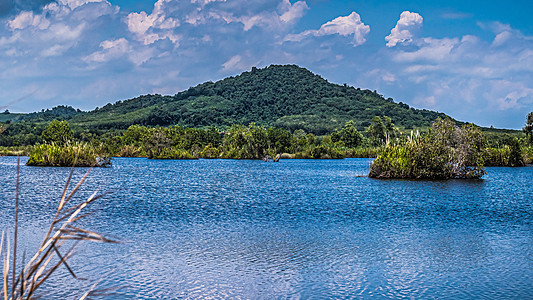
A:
x,y
442,142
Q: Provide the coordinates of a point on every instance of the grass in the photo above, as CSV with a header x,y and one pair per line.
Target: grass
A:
x,y
63,233
70,154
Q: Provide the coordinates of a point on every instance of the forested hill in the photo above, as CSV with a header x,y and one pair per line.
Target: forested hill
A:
x,y
285,96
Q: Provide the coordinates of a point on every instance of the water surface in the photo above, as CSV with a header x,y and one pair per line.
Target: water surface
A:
x,y
294,229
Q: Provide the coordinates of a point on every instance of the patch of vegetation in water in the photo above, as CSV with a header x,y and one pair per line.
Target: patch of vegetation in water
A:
x,y
68,155
447,151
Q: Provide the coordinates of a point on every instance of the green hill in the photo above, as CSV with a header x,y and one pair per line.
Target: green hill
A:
x,y
4,117
285,96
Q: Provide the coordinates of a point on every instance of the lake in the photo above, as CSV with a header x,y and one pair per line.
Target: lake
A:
x,y
245,229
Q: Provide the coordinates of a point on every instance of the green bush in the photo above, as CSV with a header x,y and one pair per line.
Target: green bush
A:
x,y
68,155
445,152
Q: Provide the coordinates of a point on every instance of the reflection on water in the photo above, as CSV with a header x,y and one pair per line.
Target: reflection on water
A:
x,y
294,229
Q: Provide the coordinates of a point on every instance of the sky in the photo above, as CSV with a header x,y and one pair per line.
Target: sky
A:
x,y
472,60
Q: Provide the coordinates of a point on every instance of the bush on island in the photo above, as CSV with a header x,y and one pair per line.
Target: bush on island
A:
x,y
447,151
67,155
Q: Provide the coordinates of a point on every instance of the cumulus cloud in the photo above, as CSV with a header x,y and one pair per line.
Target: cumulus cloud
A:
x,y
293,12
149,28
429,49
26,19
110,50
471,78
205,2
56,28
73,4
345,26
403,31
119,48
273,16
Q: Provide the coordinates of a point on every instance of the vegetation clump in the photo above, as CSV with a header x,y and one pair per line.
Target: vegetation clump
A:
x,y
68,155
447,151
60,151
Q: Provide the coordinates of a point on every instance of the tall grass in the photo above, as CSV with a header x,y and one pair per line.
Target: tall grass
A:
x,y
70,154
445,152
63,233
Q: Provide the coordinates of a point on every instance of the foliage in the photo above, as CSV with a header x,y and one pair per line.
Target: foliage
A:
x,y
61,112
348,135
381,131
516,158
58,132
528,129
447,151
67,155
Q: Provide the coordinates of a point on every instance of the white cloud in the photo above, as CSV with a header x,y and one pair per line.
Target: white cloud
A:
x,y
150,28
116,49
506,94
429,49
26,19
402,32
55,50
345,26
272,17
110,50
73,4
293,12
239,63
205,2
233,63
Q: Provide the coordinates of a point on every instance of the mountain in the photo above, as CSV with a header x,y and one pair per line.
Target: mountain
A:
x,y
285,96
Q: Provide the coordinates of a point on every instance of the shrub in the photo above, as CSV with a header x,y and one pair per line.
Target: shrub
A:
x,y
68,155
445,152
58,132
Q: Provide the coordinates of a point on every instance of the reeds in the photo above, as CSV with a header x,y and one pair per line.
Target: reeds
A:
x,y
63,233
67,155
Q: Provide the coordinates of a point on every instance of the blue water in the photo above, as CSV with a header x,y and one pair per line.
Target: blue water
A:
x,y
293,229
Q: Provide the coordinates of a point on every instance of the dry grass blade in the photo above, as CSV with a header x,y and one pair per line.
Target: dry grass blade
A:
x,y
61,257
86,235
6,270
15,238
67,213
107,292
49,256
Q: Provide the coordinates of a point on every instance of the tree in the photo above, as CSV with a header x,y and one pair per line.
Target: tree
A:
x,y
380,131
348,135
6,112
515,157
390,130
528,129
376,130
58,132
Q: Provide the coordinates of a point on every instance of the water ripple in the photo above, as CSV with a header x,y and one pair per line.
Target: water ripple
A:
x,y
225,229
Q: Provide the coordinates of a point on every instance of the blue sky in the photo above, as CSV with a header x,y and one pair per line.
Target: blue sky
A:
x,y
472,60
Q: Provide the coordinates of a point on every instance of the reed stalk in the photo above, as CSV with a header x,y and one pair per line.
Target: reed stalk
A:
x,y
62,232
